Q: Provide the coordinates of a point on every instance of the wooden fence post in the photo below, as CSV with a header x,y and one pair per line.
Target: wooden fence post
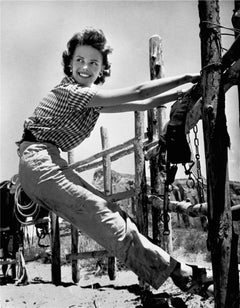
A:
x,y
55,245
234,272
216,143
236,25
156,121
74,238
140,175
107,176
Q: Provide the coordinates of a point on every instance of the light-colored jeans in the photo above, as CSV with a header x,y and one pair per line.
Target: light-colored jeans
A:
x,y
47,180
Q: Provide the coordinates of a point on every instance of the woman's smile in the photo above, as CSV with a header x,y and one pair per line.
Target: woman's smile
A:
x,y
86,65
84,75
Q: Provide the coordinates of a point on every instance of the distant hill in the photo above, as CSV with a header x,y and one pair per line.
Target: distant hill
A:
x,y
181,191
124,181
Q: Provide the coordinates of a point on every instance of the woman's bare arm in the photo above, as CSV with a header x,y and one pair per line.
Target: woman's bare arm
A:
x,y
140,92
143,105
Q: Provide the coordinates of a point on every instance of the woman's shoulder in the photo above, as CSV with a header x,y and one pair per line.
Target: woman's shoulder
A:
x,y
66,81
75,93
67,84
70,84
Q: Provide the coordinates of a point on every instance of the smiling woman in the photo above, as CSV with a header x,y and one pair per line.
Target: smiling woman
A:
x,y
62,120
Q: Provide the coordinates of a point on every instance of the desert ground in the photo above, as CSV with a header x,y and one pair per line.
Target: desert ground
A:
x,y
92,291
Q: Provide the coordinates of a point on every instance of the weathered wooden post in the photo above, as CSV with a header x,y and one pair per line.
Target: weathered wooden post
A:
x,y
107,176
140,174
236,25
74,238
55,246
234,273
216,142
141,199
156,121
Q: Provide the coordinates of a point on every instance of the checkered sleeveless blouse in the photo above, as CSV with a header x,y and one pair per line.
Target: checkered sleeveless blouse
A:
x,y
62,117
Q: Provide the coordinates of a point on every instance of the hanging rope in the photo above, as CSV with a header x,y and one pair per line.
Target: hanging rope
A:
x,y
212,25
24,211
31,209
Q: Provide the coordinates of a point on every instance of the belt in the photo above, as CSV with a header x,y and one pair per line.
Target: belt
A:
x,y
28,136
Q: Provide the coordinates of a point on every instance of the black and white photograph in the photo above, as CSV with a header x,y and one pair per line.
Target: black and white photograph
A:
x,y
120,151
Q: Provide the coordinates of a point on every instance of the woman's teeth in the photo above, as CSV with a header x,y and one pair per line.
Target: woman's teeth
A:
x,y
84,75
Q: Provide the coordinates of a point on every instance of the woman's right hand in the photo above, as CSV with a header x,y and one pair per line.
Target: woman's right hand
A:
x,y
193,78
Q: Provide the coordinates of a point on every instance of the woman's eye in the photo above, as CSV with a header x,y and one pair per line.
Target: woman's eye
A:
x,y
94,63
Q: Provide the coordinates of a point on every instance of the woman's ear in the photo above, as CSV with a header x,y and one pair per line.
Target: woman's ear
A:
x,y
70,66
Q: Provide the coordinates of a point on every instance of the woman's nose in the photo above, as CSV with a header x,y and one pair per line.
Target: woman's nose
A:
x,y
85,65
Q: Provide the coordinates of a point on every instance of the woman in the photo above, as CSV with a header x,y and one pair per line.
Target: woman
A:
x,y
62,120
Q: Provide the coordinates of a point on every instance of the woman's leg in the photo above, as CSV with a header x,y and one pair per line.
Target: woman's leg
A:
x,y
46,178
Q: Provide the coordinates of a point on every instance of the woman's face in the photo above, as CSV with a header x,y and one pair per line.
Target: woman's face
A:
x,y
87,63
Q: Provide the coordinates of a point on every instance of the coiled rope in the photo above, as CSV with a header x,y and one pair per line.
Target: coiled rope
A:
x,y
32,208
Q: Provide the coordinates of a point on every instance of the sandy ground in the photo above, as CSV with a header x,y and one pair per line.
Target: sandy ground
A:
x,y
91,292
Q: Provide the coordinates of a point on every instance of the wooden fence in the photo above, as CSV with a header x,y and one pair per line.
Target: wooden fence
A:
x,y
108,155
138,145
222,240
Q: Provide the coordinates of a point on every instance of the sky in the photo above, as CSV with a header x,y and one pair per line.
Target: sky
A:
x,y
35,33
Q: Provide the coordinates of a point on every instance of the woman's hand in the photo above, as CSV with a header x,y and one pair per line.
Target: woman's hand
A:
x,y
193,78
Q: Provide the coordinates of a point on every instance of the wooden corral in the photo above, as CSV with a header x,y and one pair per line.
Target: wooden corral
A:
x,y
205,101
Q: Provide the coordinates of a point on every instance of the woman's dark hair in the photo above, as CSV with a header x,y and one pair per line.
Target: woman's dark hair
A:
x,y
91,37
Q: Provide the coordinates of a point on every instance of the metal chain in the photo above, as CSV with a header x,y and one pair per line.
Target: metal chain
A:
x,y
200,185
188,171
